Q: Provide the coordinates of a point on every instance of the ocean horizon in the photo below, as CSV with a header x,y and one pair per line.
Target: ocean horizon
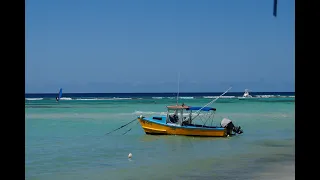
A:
x,y
152,95
160,92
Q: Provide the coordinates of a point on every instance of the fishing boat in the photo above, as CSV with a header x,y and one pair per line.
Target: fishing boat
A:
x,y
179,120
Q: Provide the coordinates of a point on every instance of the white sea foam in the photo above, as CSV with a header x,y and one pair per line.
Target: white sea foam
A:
x,y
116,98
88,99
102,99
213,97
65,98
186,97
157,97
34,99
182,97
266,96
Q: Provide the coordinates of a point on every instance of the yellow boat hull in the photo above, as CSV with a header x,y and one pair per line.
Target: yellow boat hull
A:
x,y
163,129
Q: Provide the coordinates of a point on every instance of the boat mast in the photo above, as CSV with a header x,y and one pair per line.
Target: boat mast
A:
x,y
178,89
179,110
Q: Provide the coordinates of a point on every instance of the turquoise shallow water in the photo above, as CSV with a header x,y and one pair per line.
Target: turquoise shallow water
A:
x,y
67,140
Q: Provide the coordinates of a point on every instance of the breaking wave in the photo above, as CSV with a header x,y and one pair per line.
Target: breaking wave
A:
x,y
264,96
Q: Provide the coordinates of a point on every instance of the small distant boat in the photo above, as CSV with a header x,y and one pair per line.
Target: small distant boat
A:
x,y
179,121
246,94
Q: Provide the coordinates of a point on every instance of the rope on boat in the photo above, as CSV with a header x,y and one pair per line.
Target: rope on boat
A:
x,y
210,103
129,129
122,126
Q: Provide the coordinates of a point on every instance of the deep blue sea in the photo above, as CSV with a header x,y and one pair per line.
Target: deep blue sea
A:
x,y
66,139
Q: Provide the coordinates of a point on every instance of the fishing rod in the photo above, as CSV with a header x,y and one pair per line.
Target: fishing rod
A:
x,y
211,102
122,126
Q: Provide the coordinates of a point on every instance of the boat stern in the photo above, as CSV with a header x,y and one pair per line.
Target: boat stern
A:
x,y
230,127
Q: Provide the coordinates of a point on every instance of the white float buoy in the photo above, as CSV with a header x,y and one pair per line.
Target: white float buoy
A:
x,y
130,155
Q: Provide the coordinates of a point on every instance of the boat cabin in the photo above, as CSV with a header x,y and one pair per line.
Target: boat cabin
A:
x,y
175,114
182,114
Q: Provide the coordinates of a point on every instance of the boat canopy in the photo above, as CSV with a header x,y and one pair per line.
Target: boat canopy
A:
x,y
177,107
202,108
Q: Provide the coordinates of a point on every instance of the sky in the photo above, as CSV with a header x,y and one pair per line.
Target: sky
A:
x,y
143,45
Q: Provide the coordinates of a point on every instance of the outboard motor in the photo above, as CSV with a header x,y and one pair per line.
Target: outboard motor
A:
x,y
227,123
